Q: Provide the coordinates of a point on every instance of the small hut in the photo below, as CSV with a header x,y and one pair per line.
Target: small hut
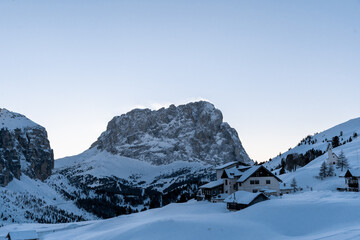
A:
x,y
23,235
242,199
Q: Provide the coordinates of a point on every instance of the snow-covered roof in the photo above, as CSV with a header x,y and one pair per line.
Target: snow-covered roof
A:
x,y
355,172
243,167
242,197
3,238
284,187
23,235
232,172
213,184
225,165
248,173
251,171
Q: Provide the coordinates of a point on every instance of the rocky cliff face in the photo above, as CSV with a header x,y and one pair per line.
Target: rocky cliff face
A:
x,y
24,148
194,132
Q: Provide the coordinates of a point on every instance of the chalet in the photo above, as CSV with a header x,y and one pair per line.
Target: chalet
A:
x,y
212,189
242,199
259,179
236,177
352,177
23,235
332,157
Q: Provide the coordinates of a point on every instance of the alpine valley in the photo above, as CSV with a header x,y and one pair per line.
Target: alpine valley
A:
x,y
145,159
145,169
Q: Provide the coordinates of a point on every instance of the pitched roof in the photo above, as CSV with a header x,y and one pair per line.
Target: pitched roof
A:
x,y
354,172
23,235
213,184
248,173
225,165
232,172
252,170
242,197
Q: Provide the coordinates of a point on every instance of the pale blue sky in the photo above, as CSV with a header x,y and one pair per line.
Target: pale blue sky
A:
x,y
278,70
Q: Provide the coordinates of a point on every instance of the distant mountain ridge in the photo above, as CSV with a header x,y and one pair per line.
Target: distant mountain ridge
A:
x,y
194,132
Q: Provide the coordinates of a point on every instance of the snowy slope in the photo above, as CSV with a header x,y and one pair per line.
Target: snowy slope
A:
x,y
118,185
306,176
28,200
320,140
104,164
12,120
311,215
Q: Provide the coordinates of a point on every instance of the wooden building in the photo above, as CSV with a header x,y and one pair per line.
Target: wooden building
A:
x,y
212,189
23,235
352,177
242,199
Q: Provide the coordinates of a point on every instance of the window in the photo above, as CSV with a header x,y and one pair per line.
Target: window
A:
x,y
239,184
225,182
257,182
267,181
252,182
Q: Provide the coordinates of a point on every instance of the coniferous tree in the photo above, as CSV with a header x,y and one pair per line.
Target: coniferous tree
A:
x,y
335,142
323,171
282,171
293,184
330,171
342,161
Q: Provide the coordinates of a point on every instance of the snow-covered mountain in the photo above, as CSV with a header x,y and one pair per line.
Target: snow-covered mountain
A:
x,y
24,148
148,159
144,159
345,132
26,160
194,132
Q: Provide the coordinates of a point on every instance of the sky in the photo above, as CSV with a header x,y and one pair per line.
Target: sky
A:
x,y
278,70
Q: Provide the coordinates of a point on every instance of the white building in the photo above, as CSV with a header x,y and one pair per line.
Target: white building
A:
x,y
332,157
259,179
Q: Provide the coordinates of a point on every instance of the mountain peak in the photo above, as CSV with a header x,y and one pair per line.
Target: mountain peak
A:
x,y
193,132
11,120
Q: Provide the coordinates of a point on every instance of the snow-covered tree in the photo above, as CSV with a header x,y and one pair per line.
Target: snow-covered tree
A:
x,y
342,162
323,171
293,184
330,171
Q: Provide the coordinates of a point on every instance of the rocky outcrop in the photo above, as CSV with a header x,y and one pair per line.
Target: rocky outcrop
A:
x,y
194,132
24,148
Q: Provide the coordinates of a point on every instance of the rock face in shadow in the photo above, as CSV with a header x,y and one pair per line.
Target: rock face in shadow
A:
x,y
194,132
24,148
